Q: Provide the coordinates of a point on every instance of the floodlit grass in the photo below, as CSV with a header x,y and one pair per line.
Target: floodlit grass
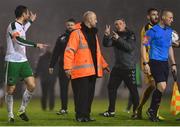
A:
x,y
49,118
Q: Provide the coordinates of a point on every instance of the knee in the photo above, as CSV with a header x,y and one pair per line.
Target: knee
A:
x,y
10,91
31,87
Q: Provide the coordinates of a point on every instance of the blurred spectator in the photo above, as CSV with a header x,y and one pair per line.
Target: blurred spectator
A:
x,y
2,74
47,80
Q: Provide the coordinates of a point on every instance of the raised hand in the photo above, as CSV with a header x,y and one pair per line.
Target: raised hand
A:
x,y
33,16
115,35
107,31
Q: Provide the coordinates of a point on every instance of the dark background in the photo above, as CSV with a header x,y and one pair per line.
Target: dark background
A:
x,y
51,15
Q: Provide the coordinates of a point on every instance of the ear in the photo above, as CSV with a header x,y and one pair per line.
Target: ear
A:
x,y
163,17
148,17
23,14
125,24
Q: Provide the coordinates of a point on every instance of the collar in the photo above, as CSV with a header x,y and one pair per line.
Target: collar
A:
x,y
19,23
87,30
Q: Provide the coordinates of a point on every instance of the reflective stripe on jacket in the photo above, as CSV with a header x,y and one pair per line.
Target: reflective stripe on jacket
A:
x,y
78,58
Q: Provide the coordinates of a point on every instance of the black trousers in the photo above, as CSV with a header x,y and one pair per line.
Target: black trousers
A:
x,y
83,89
129,102
63,85
116,77
47,87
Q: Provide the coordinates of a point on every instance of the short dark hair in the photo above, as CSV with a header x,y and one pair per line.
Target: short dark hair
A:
x,y
20,10
121,18
152,9
71,20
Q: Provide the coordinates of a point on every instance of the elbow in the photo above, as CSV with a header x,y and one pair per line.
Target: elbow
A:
x,y
129,49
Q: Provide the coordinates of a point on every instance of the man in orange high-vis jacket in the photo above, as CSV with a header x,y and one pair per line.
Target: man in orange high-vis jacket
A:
x,y
83,62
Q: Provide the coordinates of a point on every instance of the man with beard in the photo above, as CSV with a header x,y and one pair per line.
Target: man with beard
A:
x,y
159,38
153,18
17,65
58,55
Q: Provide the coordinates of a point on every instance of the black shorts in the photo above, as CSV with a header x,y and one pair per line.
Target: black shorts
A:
x,y
159,70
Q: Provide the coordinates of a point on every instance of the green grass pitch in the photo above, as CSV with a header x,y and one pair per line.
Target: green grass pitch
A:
x,y
49,118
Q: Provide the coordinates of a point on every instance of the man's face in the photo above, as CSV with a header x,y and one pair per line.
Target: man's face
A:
x,y
70,26
26,15
168,18
154,17
120,25
93,20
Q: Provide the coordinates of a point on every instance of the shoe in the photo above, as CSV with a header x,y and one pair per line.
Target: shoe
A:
x,y
152,115
11,120
23,116
81,119
135,117
107,114
161,118
62,112
88,119
178,119
127,111
85,119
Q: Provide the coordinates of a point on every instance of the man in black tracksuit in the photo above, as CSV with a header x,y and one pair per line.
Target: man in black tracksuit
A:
x,y
2,74
58,54
124,43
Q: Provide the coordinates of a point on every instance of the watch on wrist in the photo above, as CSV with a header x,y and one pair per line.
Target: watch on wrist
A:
x,y
173,65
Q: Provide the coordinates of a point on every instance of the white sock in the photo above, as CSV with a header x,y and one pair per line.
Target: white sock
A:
x,y
9,102
25,100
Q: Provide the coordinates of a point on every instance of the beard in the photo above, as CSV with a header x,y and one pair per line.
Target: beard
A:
x,y
154,21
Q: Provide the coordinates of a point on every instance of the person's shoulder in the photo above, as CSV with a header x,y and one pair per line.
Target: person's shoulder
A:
x,y
76,32
147,27
9,27
12,25
156,28
153,29
131,32
169,28
18,25
62,36
15,26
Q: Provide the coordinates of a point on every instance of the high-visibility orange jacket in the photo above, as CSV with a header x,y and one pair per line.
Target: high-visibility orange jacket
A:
x,y
78,58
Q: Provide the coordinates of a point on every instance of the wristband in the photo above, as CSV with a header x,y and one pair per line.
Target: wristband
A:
x,y
173,65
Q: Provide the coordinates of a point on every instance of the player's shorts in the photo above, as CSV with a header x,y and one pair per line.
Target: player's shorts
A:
x,y
159,70
17,71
